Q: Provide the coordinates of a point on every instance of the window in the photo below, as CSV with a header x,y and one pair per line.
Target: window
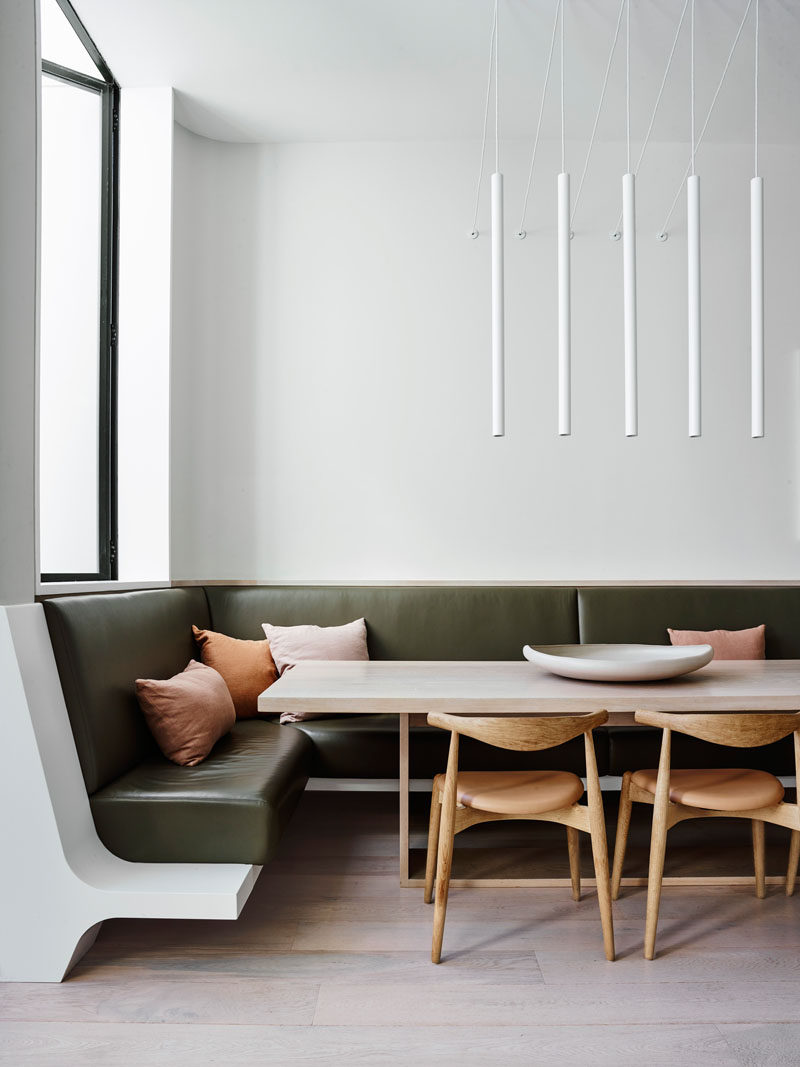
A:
x,y
78,342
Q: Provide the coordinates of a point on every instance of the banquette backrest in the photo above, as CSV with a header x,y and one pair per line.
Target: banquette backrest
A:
x,y
643,613
102,644
410,622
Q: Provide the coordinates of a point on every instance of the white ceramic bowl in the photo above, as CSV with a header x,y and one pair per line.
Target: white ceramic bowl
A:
x,y
619,663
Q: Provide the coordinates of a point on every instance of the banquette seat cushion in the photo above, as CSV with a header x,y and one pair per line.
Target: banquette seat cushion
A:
x,y
230,808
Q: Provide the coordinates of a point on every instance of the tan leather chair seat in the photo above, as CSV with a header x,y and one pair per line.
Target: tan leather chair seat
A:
x,y
518,792
723,790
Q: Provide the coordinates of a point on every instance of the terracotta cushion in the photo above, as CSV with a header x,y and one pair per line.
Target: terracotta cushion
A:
x,y
727,644
188,713
721,790
518,792
247,667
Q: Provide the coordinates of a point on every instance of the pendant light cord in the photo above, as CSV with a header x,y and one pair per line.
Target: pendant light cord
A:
x,y
497,87
671,56
628,80
755,101
599,109
563,125
485,120
688,170
691,81
539,121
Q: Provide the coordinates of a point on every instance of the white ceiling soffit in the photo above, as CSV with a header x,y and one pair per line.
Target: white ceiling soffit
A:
x,y
342,70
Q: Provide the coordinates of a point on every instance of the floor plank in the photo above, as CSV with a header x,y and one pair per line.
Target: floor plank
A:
x,y
105,1045
512,968
772,1045
430,1003
155,999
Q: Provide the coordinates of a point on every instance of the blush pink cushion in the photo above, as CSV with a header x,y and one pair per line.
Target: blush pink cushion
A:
x,y
727,644
291,644
188,713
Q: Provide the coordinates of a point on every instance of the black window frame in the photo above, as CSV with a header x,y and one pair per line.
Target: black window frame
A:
x,y
105,85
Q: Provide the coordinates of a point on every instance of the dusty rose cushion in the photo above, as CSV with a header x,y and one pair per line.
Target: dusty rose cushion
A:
x,y
727,644
291,644
247,667
188,713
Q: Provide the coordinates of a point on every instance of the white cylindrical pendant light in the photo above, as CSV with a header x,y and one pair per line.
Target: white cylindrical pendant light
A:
x,y
629,256
757,307
693,265
498,310
629,303
693,293
564,316
756,270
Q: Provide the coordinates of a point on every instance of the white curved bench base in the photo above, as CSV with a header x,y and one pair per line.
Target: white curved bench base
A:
x,y
58,881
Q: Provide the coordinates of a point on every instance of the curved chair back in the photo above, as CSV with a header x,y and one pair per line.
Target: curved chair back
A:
x,y
737,729
521,733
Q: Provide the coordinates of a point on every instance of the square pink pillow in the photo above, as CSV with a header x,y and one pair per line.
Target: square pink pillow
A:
x,y
291,644
188,713
727,644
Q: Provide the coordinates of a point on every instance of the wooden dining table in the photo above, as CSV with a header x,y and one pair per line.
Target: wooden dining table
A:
x,y
409,688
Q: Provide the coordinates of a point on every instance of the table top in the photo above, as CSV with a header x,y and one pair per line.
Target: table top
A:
x,y
523,688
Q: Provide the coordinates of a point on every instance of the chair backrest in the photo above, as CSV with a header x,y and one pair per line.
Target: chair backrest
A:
x,y
737,729
521,733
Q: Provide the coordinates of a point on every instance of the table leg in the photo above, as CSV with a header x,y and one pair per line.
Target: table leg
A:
x,y
404,790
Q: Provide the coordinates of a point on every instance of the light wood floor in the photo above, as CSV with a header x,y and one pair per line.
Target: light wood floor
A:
x,y
329,964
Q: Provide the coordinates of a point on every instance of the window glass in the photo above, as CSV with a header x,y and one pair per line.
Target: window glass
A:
x,y
69,330
60,43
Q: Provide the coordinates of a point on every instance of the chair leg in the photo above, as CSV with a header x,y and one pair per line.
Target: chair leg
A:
x,y
597,834
758,857
600,856
574,849
658,845
794,856
445,860
433,841
621,840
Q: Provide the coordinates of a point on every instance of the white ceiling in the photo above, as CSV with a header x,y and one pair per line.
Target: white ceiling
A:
x,y
314,70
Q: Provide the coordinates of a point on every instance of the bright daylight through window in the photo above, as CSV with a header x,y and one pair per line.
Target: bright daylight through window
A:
x,y
78,264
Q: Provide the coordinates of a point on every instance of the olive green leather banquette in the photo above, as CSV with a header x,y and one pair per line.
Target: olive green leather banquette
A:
x,y
232,807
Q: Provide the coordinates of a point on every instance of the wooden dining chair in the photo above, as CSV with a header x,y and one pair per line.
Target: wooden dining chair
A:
x,y
677,795
462,799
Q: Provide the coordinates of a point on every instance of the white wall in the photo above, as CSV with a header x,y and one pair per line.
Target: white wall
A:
x,y
331,410
18,136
